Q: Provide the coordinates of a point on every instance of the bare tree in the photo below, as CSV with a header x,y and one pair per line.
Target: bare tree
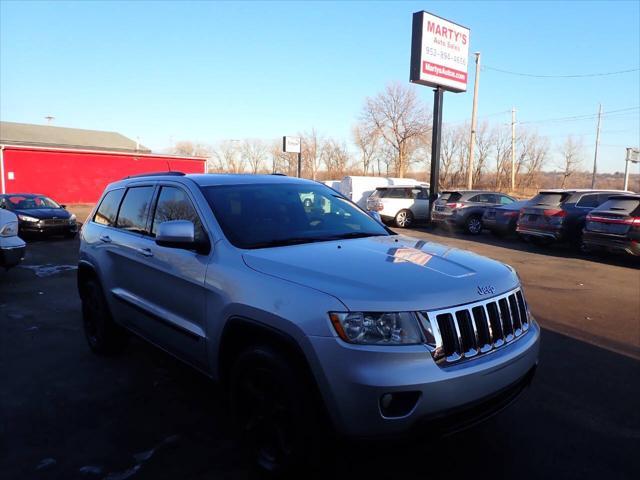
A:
x,y
399,116
485,142
335,157
228,156
189,148
254,154
451,149
367,141
571,152
311,152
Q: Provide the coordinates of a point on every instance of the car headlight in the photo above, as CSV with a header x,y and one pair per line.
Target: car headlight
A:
x,y
27,218
72,218
381,328
9,230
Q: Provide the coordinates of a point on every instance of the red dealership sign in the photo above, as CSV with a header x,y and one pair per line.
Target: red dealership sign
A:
x,y
439,52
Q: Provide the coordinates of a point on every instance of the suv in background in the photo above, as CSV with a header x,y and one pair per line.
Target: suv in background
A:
x,y
614,225
559,215
464,208
404,204
310,313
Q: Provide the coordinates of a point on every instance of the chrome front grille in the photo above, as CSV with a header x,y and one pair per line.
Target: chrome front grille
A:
x,y
475,329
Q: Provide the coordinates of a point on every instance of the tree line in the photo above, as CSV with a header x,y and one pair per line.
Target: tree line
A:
x,y
392,137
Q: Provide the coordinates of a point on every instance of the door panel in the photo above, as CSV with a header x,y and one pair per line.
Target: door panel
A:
x,y
177,292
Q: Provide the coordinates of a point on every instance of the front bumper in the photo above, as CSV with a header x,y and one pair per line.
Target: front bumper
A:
x,y
39,228
357,377
10,256
611,242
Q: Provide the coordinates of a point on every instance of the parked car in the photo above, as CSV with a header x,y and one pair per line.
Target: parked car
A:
x,y
559,215
357,189
40,215
463,209
614,225
310,318
404,204
502,219
12,247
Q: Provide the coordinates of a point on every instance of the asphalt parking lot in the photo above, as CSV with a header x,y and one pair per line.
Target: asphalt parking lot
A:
x,y
65,413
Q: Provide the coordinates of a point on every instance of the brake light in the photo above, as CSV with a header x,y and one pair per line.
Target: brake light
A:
x,y
455,205
512,213
555,212
634,221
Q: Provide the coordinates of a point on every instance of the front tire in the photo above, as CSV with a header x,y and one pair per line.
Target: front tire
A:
x,y
273,409
404,219
103,335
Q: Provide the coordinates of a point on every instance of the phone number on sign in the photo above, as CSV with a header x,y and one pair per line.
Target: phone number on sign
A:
x,y
441,54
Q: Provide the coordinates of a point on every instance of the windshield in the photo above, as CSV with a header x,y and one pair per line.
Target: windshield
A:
x,y
24,202
270,215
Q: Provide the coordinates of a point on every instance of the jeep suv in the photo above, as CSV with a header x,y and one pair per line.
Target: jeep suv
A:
x,y
310,313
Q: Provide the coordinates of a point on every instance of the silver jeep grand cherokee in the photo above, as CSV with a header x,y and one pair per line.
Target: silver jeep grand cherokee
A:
x,y
309,311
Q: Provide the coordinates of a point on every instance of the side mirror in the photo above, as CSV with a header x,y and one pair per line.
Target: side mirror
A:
x,y
63,206
176,234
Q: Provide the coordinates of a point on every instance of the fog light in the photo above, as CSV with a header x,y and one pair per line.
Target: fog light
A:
x,y
398,404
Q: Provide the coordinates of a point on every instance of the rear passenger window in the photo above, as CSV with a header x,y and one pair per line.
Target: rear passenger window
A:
x,y
134,209
482,198
174,204
588,201
108,209
397,193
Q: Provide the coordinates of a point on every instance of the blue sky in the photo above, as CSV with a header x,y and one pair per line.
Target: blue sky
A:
x,y
207,71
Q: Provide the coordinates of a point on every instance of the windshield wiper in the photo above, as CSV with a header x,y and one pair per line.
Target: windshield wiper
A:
x,y
300,240
355,235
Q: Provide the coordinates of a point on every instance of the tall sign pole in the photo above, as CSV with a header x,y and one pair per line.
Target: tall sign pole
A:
x,y
595,153
474,112
439,58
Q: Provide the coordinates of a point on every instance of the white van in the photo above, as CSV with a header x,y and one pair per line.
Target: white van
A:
x,y
358,189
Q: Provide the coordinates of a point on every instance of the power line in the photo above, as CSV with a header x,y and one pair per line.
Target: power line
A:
x,y
581,117
578,75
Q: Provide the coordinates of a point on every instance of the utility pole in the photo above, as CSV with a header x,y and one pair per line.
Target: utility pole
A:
x,y
595,154
513,149
472,142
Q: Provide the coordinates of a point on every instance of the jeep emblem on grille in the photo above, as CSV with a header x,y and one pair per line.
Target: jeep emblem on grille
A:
x,y
486,290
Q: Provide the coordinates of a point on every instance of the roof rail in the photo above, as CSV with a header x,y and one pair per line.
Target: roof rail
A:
x,y
157,174
279,174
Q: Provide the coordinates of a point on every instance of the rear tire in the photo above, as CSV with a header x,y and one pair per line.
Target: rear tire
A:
x,y
103,335
404,218
273,409
473,225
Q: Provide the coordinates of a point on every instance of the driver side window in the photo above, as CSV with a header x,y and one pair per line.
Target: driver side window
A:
x,y
174,204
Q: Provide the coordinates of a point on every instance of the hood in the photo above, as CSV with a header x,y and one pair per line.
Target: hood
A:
x,y
387,273
43,213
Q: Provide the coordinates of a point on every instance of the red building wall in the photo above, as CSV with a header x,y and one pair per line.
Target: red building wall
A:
x,y
79,176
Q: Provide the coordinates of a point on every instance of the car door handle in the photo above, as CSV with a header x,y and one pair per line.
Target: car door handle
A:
x,y
105,238
145,251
